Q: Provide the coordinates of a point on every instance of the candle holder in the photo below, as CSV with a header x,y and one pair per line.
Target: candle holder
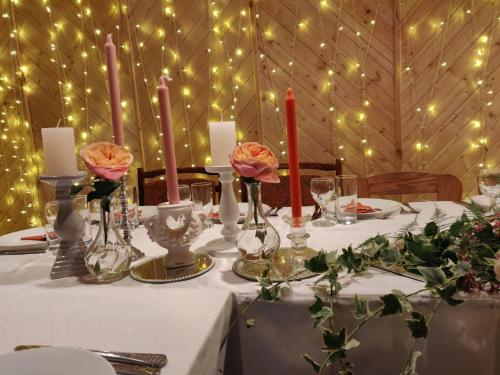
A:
x,y
125,222
175,228
229,211
69,226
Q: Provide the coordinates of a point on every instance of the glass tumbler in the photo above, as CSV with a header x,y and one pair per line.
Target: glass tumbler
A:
x,y
347,199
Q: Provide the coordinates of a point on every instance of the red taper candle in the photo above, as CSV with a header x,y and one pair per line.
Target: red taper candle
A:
x,y
168,142
114,90
293,154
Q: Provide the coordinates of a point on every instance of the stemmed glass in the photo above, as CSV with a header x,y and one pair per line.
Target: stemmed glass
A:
x,y
488,181
51,209
80,203
184,192
323,192
201,193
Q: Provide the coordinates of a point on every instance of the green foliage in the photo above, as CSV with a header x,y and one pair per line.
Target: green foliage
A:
x,y
315,365
320,312
352,261
433,276
250,323
317,263
362,308
417,325
411,366
431,229
391,304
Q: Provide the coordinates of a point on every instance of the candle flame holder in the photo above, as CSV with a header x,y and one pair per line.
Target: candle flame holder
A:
x,y
69,226
229,210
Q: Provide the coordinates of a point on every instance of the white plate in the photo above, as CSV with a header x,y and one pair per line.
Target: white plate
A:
x,y
385,206
12,241
483,201
54,361
243,207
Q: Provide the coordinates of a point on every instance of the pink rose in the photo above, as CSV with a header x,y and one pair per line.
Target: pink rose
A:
x,y
251,159
106,159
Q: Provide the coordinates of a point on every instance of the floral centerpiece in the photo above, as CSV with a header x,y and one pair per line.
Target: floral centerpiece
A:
x,y
108,257
255,163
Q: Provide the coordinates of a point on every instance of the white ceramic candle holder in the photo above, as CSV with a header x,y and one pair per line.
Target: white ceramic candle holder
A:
x,y
69,226
175,228
229,211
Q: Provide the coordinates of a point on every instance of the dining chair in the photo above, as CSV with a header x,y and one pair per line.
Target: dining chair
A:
x,y
153,190
278,195
446,187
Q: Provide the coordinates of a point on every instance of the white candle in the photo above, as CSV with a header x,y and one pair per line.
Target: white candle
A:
x,y
59,151
222,141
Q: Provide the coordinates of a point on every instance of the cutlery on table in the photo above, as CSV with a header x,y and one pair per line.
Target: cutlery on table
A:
x,y
137,359
412,210
22,252
127,369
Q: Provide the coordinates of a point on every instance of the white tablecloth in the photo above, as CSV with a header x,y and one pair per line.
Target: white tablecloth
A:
x,y
462,340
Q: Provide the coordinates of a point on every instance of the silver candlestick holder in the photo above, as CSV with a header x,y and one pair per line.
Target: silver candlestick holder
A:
x,y
124,219
229,211
69,227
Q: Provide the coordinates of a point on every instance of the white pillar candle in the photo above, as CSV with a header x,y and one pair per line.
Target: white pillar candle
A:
x,y
59,151
222,141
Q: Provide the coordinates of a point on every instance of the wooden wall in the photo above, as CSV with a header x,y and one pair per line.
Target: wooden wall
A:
x,y
381,84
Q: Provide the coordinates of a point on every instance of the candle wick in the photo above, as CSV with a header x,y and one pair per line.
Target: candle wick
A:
x,y
58,123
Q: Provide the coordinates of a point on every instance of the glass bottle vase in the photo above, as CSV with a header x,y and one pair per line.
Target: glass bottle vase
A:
x,y
258,240
108,257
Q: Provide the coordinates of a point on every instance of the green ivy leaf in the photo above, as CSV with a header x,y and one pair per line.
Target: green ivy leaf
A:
x,y
361,306
315,365
270,294
389,256
460,268
456,228
320,312
391,305
431,229
403,300
250,323
417,325
332,341
317,264
448,293
434,276
352,261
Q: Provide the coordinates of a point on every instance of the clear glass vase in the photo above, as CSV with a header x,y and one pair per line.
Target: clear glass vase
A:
x,y
258,240
108,257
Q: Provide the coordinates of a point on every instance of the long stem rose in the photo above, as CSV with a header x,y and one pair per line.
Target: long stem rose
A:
x,y
256,161
107,160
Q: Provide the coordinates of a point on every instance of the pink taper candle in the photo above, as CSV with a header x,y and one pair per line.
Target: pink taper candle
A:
x,y
114,90
168,142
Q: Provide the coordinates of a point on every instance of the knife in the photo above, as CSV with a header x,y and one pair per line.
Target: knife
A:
x,y
140,359
126,369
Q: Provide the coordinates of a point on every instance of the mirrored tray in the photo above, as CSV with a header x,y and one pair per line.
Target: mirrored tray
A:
x,y
153,270
286,263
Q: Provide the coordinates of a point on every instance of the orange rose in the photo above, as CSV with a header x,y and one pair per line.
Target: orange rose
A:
x,y
106,159
254,160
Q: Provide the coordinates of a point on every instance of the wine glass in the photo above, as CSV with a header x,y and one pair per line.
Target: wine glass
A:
x,y
323,192
488,181
51,209
201,193
80,203
53,241
184,192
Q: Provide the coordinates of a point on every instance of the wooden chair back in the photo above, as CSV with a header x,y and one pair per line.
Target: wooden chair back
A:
x,y
446,187
153,191
278,195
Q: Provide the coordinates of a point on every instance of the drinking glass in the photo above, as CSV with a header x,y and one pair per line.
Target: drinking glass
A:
x,y
51,211
80,204
52,240
184,192
347,199
201,195
488,181
323,192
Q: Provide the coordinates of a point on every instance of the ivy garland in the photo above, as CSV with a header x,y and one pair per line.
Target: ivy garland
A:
x,y
453,262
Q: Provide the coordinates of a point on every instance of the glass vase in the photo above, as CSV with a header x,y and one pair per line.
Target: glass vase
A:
x,y
258,240
108,257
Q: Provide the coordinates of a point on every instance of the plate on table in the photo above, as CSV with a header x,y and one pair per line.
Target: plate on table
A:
x,y
243,207
377,208
12,243
54,361
483,201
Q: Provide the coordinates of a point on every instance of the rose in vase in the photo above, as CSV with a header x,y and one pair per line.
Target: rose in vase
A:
x,y
253,160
